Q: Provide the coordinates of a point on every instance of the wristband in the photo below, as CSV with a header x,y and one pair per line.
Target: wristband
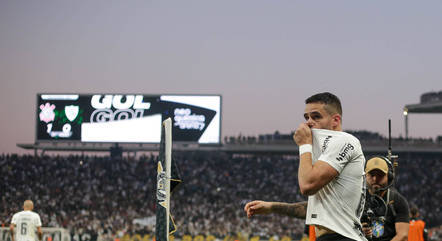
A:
x,y
305,148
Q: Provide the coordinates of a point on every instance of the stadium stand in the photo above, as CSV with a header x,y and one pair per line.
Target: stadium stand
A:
x,y
101,197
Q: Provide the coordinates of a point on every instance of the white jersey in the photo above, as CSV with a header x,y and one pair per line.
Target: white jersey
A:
x,y
26,223
338,205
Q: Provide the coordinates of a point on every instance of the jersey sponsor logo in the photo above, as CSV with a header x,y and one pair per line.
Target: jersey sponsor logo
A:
x,y
344,151
326,142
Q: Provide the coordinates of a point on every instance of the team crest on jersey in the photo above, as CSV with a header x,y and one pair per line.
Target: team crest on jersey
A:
x,y
378,229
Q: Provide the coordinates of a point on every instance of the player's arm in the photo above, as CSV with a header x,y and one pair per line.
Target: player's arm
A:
x,y
39,233
312,178
297,210
37,223
11,230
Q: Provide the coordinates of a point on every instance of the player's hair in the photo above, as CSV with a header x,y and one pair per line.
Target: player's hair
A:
x,y
331,102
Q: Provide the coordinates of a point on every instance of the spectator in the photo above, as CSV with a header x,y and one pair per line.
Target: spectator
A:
x,y
104,195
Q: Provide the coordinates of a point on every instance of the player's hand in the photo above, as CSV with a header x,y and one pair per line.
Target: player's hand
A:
x,y
368,232
257,207
303,135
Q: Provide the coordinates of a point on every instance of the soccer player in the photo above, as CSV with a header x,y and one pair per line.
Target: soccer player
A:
x,y
331,174
26,224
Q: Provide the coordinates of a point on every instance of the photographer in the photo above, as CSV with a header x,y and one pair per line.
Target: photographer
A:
x,y
387,210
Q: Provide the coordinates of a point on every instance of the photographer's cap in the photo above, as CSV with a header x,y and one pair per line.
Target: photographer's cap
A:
x,y
376,163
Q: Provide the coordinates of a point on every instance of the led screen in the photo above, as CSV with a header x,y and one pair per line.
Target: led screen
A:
x,y
132,118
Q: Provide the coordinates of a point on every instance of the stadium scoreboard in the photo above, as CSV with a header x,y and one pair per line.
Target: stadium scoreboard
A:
x,y
127,118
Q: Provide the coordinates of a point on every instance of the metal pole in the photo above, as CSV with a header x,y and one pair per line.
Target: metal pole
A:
x,y
406,127
406,122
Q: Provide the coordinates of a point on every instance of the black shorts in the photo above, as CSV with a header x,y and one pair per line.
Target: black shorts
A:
x,y
333,237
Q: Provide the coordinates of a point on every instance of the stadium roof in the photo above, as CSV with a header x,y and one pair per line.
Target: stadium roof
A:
x,y
430,102
424,108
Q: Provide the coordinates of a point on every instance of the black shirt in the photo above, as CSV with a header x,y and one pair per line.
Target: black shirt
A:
x,y
397,211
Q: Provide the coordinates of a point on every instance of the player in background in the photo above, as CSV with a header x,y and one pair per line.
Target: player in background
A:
x,y
26,224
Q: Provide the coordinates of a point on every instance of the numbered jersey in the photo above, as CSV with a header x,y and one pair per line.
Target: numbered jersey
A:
x,y
26,223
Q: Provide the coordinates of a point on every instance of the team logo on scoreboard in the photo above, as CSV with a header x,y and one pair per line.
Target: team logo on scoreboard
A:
x,y
133,118
71,112
47,113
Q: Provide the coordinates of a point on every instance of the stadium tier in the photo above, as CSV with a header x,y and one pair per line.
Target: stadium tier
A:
x,y
108,198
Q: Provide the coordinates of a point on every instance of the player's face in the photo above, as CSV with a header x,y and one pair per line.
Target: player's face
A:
x,y
317,117
376,179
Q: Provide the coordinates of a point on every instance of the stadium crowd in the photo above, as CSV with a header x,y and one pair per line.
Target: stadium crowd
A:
x,y
366,137
103,196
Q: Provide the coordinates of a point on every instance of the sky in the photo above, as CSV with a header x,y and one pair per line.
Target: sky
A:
x,y
264,57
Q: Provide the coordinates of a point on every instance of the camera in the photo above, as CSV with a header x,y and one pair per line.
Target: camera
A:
x,y
375,209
